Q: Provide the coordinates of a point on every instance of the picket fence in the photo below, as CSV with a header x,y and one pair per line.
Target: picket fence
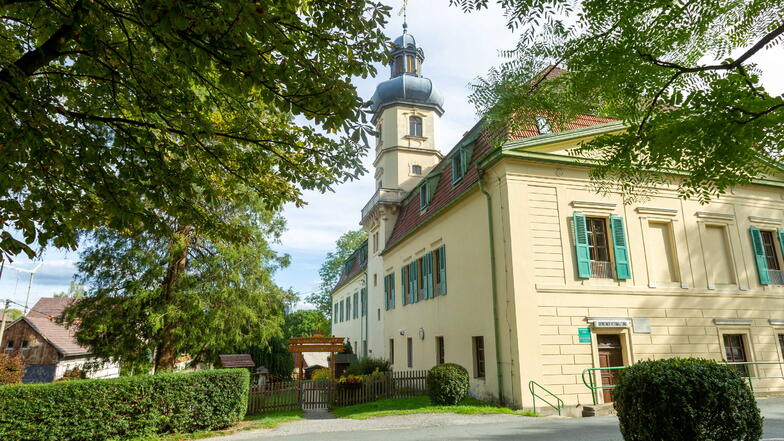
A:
x,y
322,394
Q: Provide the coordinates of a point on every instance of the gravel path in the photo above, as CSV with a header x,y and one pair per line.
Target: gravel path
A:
x,y
324,424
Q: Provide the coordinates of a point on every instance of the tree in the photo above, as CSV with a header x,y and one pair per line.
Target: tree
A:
x,y
304,323
127,114
331,268
75,291
12,314
223,297
680,75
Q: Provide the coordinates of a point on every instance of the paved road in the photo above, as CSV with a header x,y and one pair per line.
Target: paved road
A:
x,y
432,427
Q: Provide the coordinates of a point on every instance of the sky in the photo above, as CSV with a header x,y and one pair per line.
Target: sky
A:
x,y
458,49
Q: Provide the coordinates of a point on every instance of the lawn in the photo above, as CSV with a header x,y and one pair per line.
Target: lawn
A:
x,y
420,404
251,422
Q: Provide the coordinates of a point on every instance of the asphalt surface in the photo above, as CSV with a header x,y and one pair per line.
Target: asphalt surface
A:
x,y
453,427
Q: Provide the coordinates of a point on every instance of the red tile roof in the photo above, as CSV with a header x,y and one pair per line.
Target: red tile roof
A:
x,y
410,216
357,266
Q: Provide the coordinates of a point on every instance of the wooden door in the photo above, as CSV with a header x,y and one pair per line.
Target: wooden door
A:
x,y
610,355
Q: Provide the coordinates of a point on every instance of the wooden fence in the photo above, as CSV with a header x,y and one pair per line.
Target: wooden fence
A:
x,y
321,394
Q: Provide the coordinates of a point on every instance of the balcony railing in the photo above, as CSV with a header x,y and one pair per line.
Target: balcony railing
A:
x,y
776,277
383,195
601,269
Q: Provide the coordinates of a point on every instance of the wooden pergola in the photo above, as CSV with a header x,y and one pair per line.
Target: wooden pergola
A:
x,y
317,343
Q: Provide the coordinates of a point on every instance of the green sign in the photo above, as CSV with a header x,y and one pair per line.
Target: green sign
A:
x,y
584,335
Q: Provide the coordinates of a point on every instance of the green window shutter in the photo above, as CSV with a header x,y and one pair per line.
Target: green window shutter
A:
x,y
620,248
423,197
581,246
428,275
403,285
392,289
413,295
465,158
456,176
442,269
759,255
386,293
431,185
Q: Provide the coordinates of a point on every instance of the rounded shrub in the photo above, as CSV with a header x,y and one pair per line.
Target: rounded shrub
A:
x,y
685,399
447,384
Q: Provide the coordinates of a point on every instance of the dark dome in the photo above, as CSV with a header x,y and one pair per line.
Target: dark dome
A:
x,y
407,88
405,40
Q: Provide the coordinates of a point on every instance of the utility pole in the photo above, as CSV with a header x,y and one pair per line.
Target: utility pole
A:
x,y
2,320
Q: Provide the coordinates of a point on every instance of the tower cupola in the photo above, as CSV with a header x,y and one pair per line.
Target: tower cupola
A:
x,y
406,84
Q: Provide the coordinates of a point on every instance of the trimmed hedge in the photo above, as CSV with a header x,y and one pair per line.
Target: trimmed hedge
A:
x,y
685,399
126,407
447,384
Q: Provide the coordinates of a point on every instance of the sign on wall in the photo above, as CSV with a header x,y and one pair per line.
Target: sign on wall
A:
x,y
584,335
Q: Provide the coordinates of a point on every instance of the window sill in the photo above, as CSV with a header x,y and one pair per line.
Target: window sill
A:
x,y
415,138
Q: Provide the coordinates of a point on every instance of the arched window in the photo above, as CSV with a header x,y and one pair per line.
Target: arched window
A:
x,y
415,126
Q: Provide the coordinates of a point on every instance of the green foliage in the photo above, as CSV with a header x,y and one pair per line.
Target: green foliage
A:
x,y
347,348
12,314
224,298
368,366
447,384
685,400
123,407
275,357
320,374
11,368
73,374
332,267
304,323
688,103
75,291
126,115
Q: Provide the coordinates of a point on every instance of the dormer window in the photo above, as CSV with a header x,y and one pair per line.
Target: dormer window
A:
x,y
543,125
415,126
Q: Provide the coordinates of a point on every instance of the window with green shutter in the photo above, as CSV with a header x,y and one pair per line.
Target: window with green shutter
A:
x,y
759,256
386,293
623,269
460,162
582,251
413,294
392,291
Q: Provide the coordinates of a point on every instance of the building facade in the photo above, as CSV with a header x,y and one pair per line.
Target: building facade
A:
x,y
504,260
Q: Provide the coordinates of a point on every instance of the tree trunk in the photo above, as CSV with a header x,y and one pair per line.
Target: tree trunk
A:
x,y
166,353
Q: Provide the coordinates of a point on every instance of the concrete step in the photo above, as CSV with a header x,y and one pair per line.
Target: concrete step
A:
x,y
590,410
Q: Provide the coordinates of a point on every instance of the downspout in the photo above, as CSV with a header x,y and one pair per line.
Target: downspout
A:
x,y
494,284
366,346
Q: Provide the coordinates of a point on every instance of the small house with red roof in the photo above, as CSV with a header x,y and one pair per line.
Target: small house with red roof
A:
x,y
502,257
48,348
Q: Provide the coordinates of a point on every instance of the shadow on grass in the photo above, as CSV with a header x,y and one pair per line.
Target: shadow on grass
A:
x,y
251,422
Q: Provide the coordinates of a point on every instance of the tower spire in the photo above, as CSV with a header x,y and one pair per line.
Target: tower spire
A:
x,y
404,11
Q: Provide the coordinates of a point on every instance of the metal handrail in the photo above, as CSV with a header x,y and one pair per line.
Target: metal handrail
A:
x,y
747,368
559,404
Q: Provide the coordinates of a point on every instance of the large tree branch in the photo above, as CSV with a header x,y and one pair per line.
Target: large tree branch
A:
x,y
47,52
724,66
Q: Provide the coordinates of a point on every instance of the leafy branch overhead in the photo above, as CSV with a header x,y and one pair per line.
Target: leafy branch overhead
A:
x,y
682,75
132,114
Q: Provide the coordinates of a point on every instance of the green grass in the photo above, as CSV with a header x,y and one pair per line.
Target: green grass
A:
x,y
251,422
420,404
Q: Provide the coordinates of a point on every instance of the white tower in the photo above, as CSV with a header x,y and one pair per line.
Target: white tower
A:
x,y
407,111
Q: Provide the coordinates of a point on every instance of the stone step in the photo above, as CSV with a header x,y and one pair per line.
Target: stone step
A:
x,y
590,410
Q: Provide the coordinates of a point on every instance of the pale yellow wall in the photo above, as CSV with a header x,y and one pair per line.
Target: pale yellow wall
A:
x,y
680,301
466,309
350,328
397,152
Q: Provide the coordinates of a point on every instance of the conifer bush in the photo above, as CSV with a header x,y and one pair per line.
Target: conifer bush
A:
x,y
123,408
11,369
447,384
685,399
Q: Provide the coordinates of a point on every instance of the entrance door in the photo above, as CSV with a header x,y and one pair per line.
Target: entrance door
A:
x,y
610,355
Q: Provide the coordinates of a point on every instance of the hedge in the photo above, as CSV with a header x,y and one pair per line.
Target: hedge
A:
x,y
124,407
685,399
